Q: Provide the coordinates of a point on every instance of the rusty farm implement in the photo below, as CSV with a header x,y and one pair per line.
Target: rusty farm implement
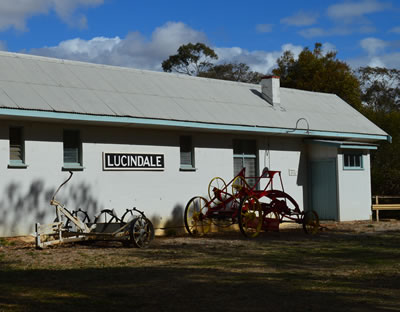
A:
x,y
133,228
242,201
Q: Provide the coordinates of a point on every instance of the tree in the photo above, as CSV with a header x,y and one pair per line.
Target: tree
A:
x,y
195,60
380,88
380,94
233,72
385,166
191,59
315,71
375,93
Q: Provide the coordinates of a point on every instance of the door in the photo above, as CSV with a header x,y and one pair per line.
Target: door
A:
x,y
324,189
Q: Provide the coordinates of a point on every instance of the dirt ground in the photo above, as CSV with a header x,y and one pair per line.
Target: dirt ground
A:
x,y
363,226
351,266
349,227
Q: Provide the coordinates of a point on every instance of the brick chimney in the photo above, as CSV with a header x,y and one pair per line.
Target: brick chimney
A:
x,y
270,90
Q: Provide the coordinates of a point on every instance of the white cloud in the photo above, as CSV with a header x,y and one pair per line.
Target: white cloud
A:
x,y
342,30
264,28
349,12
376,62
295,49
137,51
373,46
349,17
132,51
389,60
313,32
3,45
395,30
260,61
328,47
379,53
14,13
81,49
301,18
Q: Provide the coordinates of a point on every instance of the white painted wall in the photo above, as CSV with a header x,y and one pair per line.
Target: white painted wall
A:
x,y
353,186
355,191
25,193
289,156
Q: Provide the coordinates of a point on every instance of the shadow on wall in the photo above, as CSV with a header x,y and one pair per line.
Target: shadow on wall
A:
x,y
21,208
302,180
174,225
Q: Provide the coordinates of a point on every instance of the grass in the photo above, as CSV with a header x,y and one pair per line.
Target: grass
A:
x,y
287,271
5,242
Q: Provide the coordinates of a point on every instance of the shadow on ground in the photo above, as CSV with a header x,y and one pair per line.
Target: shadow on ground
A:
x,y
284,271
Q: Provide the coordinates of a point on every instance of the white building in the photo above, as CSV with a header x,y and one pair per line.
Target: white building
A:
x,y
58,115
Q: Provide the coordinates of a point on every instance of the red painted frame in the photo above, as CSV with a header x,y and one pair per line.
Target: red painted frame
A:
x,y
225,205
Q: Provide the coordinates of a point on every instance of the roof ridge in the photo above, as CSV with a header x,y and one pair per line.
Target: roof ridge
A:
x,y
116,67
308,92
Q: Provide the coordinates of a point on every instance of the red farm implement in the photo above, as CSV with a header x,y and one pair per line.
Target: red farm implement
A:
x,y
244,202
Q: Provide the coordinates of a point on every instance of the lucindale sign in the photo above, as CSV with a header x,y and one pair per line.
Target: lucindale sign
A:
x,y
126,161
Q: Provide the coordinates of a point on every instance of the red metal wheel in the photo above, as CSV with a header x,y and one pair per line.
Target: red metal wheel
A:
x,y
282,203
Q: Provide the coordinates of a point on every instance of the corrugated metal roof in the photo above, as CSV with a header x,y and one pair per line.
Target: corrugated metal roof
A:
x,y
38,83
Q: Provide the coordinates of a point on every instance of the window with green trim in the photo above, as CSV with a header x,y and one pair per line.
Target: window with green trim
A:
x,y
353,160
72,148
186,152
17,155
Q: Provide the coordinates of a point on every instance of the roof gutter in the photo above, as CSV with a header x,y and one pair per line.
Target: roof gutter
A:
x,y
35,114
343,144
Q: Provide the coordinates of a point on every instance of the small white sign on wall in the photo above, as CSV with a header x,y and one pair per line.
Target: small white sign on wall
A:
x,y
292,172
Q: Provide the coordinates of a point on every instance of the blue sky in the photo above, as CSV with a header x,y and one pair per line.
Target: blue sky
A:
x,y
141,34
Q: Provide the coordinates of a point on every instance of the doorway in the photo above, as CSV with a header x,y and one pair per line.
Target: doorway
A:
x,y
324,189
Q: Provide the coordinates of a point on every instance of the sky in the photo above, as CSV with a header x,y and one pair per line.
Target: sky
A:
x,y
141,34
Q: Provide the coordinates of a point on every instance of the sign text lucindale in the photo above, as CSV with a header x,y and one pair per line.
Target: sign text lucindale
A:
x,y
127,161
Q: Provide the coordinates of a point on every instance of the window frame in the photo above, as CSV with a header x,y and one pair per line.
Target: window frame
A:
x,y
191,166
17,163
74,166
245,155
353,154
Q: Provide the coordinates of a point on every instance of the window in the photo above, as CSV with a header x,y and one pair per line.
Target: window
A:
x,y
352,161
245,156
187,152
17,157
72,149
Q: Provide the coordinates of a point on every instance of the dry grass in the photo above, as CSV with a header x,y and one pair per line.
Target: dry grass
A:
x,y
340,269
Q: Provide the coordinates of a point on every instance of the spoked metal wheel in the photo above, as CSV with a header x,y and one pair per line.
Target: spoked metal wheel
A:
x,y
311,222
141,232
105,221
127,216
106,216
196,221
282,202
238,184
218,184
250,217
80,215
